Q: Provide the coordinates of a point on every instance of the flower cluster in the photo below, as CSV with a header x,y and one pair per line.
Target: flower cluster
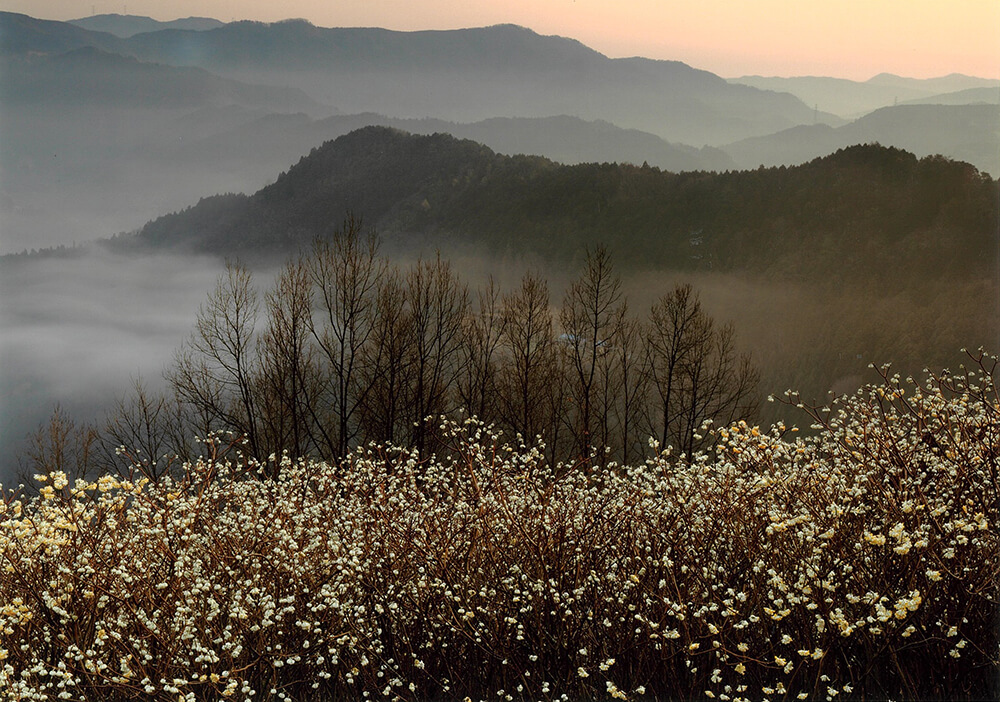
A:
x,y
861,560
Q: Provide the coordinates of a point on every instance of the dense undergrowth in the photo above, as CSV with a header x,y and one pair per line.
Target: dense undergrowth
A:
x,y
859,562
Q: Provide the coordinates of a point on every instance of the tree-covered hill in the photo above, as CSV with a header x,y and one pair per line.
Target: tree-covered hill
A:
x,y
864,213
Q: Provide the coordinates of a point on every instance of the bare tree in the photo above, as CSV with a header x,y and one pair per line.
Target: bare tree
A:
x,y
591,318
216,371
720,384
674,334
386,364
346,272
483,334
151,426
694,371
627,390
531,374
438,304
60,445
288,376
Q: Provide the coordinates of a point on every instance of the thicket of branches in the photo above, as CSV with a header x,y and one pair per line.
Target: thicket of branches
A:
x,y
346,348
861,562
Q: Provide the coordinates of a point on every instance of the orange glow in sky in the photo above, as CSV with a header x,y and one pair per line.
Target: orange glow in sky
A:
x,y
844,38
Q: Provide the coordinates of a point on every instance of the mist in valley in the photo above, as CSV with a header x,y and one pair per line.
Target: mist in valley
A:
x,y
79,330
75,331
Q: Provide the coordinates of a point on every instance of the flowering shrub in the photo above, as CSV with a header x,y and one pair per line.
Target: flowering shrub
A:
x,y
859,562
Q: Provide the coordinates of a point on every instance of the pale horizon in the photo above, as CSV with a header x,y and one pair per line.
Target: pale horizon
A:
x,y
852,39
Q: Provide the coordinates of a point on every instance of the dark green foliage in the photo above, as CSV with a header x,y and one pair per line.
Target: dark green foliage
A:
x,y
864,213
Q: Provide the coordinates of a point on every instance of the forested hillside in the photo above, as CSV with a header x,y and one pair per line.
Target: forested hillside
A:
x,y
865,213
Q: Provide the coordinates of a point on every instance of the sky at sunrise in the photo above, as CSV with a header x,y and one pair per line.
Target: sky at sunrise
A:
x,y
844,38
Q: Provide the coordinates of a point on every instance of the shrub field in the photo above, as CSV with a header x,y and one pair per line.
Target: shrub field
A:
x,y
855,559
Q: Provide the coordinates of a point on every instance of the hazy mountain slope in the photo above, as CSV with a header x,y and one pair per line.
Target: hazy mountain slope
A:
x,y
837,95
969,96
475,74
76,171
88,137
280,139
572,140
129,25
849,214
21,35
963,132
942,84
853,98
90,76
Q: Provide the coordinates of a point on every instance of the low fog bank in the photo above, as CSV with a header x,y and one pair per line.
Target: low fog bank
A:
x,y
820,337
75,330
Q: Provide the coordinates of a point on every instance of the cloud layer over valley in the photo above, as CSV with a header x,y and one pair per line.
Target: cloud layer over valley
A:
x,y
76,329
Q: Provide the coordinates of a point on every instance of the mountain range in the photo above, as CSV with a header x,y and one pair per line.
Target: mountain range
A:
x,y
964,132
459,75
112,120
849,98
126,26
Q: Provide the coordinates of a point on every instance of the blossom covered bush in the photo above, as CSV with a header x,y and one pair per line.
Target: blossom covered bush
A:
x,y
858,562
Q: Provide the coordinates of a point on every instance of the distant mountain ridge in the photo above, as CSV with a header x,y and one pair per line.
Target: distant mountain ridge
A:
x,y
561,138
125,26
498,71
849,98
475,74
941,84
968,96
969,133
91,76
457,75
22,35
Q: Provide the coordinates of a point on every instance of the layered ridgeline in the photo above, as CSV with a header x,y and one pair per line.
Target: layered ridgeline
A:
x,y
966,132
460,75
849,98
866,213
89,76
954,115
129,25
